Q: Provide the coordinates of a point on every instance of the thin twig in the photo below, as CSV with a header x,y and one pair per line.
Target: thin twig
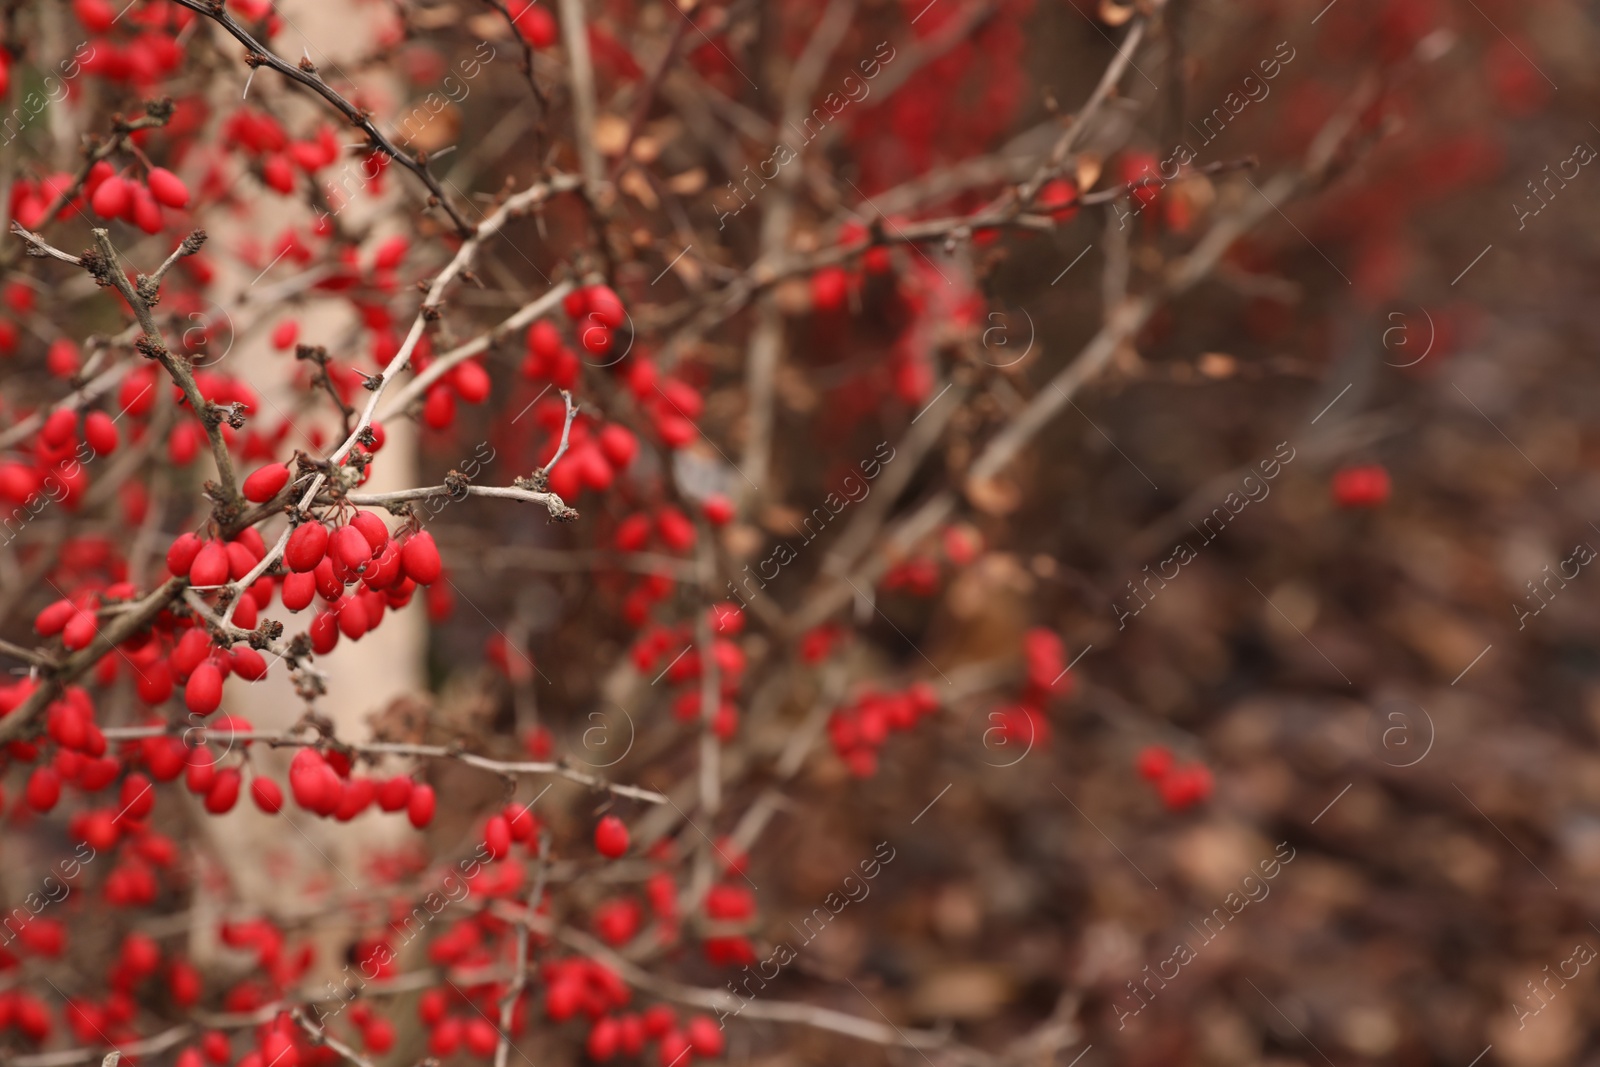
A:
x,y
259,55
394,748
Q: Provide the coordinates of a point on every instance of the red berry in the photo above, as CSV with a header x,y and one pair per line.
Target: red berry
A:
x,y
62,359
520,821
307,546
266,482
543,341
111,198
167,188
203,693
267,794
100,433
285,334
350,547
372,528
137,797
480,1036
395,793
1059,198
96,15
421,558
718,509
182,553
704,1035
144,209
604,1038
611,837
419,809
154,682
675,529
471,382
247,663
79,631
43,789
60,428
183,984
1154,762
298,591
439,410
224,791
618,445
829,287
50,621
378,1035
1361,487
497,837
215,1046
211,566
605,307
539,27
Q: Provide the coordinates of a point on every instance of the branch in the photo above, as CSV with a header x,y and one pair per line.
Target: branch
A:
x,y
575,29
566,431
514,207
442,365
394,748
40,248
107,271
320,1036
519,980
15,725
306,75
553,503
94,389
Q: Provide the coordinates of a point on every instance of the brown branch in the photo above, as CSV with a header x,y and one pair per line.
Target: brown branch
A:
x,y
514,207
395,748
17,724
259,55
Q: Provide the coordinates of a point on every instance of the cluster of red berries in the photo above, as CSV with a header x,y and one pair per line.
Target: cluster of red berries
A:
x,y
920,575
277,157
149,50
109,1021
1179,787
859,729
596,454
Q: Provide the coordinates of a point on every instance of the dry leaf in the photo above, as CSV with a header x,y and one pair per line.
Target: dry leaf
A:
x,y
1088,167
646,149
1114,14
432,18
486,25
742,540
966,992
635,184
793,296
993,496
610,134
689,182
795,391
442,130
688,268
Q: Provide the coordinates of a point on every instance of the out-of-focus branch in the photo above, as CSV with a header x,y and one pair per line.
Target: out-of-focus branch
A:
x,y
580,67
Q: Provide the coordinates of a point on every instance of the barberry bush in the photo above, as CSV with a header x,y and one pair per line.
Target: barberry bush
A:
x,y
528,524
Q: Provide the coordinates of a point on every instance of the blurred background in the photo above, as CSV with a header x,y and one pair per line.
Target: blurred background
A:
x,y
1255,693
